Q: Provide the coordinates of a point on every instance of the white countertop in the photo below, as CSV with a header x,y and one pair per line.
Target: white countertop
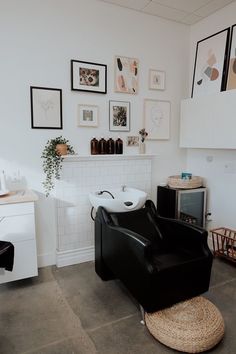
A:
x,y
21,196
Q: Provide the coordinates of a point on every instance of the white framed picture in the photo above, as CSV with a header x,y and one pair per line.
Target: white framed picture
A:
x,y
157,79
119,116
126,75
87,115
157,119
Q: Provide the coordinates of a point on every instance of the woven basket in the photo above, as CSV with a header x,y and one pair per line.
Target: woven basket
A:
x,y
192,326
178,182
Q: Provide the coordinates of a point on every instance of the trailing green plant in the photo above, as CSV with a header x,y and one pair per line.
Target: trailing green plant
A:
x,y
52,162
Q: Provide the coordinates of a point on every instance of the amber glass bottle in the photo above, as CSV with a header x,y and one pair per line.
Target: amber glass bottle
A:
x,y
110,146
119,146
102,146
94,146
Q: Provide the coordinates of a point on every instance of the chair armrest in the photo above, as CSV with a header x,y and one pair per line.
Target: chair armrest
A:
x,y
183,234
128,247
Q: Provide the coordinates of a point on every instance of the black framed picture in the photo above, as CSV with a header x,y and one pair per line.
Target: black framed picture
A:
x,y
88,77
46,107
211,64
119,116
231,75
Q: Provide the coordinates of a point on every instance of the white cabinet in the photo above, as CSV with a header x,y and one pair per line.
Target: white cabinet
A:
x,y
209,121
17,225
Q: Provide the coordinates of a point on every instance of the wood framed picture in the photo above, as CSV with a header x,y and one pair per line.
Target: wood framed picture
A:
x,y
231,76
210,64
88,77
126,75
119,116
157,79
46,107
157,119
87,115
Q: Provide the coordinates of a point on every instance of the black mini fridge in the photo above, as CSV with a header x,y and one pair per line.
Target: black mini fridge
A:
x,y
188,205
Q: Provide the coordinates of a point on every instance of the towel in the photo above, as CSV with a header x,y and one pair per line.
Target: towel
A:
x,y
6,255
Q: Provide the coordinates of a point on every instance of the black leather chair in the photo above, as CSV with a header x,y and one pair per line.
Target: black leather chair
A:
x,y
161,261
6,255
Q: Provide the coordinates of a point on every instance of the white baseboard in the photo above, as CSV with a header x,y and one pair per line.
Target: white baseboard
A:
x,y
79,255
46,259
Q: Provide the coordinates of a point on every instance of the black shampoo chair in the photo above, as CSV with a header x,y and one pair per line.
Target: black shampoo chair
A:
x,y
161,261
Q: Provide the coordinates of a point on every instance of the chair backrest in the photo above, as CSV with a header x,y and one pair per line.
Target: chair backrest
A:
x,y
140,221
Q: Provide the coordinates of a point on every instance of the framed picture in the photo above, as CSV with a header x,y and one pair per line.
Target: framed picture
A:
x,y
231,76
210,64
157,79
46,108
157,119
132,141
119,116
87,115
126,75
88,77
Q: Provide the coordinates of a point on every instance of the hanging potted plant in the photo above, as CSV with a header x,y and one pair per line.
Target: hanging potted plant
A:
x,y
52,156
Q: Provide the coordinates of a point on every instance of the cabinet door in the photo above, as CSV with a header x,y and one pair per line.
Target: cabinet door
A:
x,y
25,264
20,230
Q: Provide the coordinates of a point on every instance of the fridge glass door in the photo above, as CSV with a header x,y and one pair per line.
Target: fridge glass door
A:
x,y
191,206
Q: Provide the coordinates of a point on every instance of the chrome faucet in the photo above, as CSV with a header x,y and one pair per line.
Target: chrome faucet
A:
x,y
123,188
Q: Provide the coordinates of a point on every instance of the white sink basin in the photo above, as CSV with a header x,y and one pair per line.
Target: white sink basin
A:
x,y
124,200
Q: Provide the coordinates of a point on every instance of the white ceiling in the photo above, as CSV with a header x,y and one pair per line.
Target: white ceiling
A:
x,y
183,11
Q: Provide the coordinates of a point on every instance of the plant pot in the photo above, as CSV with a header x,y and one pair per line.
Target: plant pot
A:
x,y
61,149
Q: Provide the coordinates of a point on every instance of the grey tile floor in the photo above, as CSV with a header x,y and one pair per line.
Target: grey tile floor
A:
x,y
71,311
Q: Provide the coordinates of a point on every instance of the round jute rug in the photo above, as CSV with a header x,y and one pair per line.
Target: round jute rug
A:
x,y
192,326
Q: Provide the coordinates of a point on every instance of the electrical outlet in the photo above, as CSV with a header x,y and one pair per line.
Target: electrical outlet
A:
x,y
230,167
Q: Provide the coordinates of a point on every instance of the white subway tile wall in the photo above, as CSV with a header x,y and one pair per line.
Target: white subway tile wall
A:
x,y
78,179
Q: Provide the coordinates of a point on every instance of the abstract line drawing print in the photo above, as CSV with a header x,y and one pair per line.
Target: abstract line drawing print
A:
x,y
157,119
46,108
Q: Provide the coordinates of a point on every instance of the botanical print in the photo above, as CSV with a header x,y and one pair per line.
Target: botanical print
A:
x,y
119,116
157,119
210,64
126,75
46,108
231,80
88,77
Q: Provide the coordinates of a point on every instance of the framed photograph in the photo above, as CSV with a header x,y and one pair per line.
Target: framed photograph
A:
x,y
157,79
157,119
119,116
132,141
210,64
46,108
231,76
87,115
126,75
88,77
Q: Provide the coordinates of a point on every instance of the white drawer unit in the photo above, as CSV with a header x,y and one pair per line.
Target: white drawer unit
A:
x,y
17,225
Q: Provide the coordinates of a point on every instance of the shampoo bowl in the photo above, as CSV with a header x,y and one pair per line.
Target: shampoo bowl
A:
x,y
118,200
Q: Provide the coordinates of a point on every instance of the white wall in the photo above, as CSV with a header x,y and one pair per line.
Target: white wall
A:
x,y
37,41
218,167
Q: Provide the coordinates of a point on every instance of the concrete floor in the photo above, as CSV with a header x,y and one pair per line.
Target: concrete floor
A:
x,y
71,311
